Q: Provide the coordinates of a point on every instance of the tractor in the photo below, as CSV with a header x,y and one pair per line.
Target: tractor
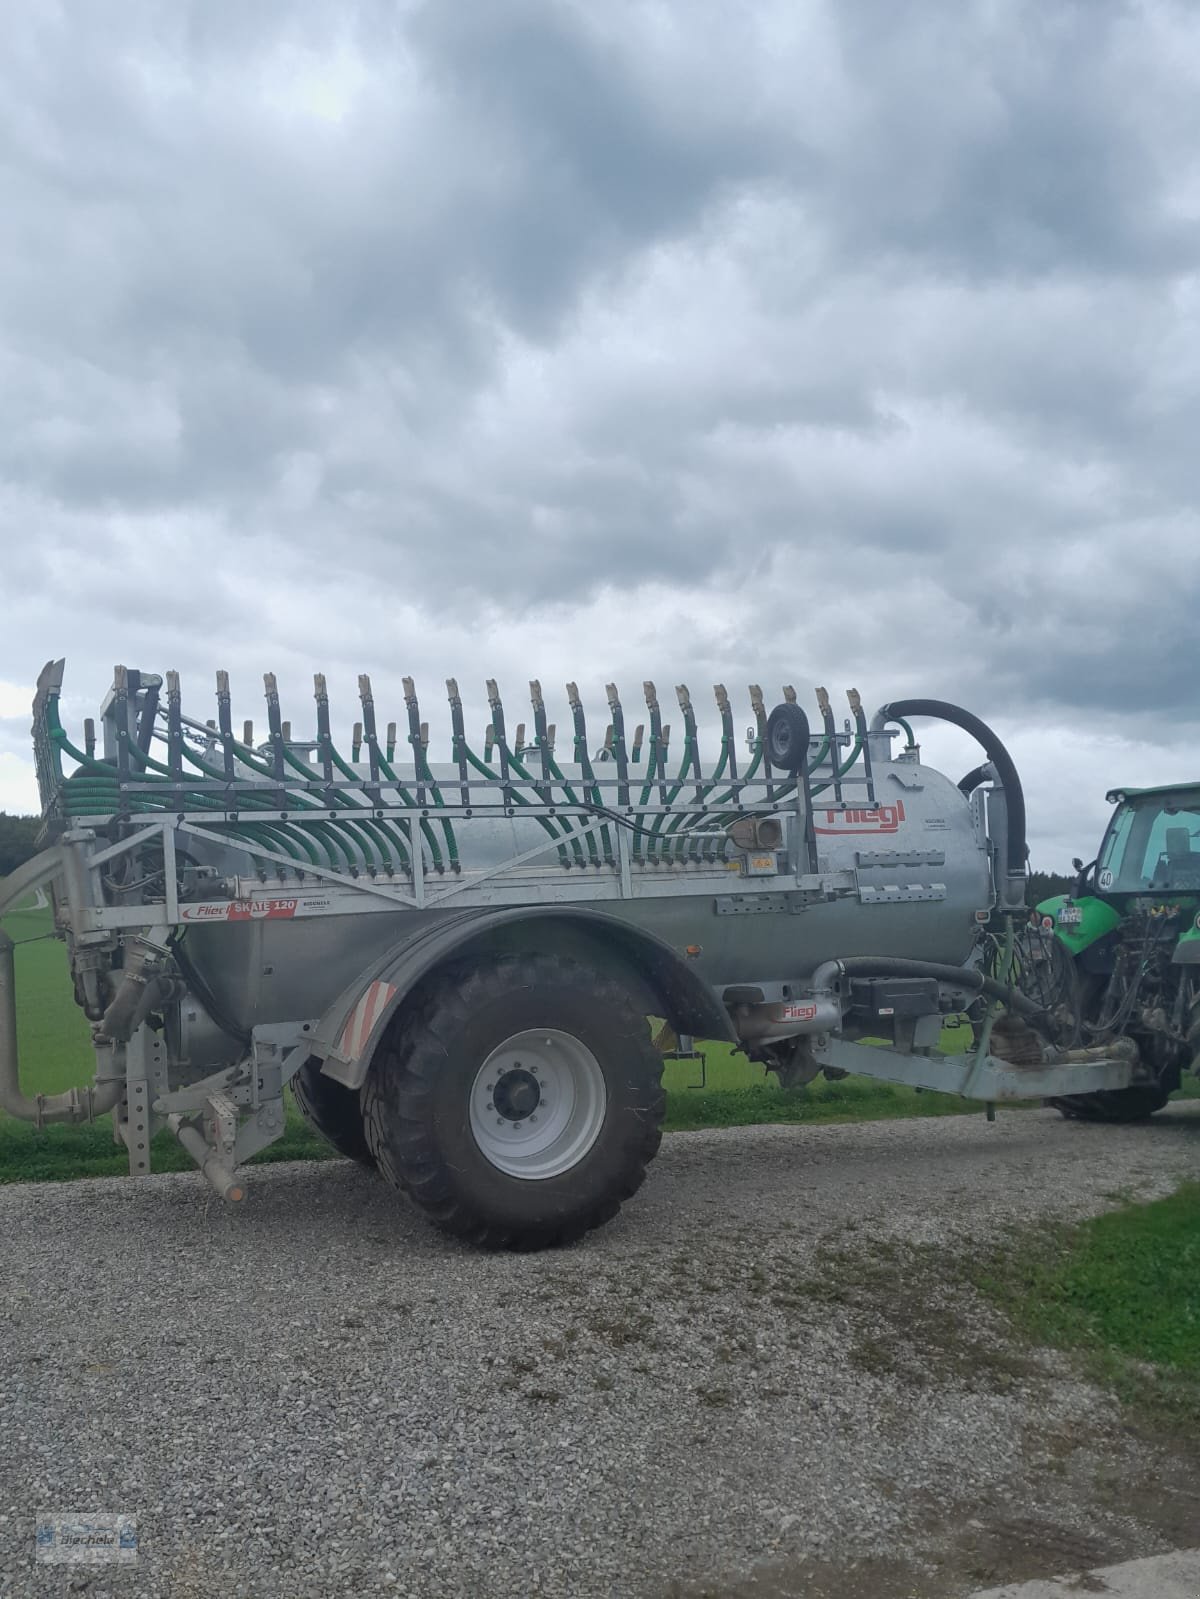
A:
x,y
1116,961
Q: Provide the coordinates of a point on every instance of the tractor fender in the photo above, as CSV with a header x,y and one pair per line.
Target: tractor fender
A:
x,y
347,1035
1098,920
1187,951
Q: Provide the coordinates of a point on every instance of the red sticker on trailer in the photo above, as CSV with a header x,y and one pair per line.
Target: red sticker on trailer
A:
x,y
799,1013
362,1019
240,910
856,819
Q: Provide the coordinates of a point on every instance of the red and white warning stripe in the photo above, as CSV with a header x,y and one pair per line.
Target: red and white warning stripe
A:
x,y
362,1019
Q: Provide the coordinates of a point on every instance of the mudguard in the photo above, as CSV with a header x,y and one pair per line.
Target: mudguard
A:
x,y
1098,920
348,1033
1187,951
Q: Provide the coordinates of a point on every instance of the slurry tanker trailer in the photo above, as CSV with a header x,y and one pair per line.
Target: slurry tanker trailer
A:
x,y
466,968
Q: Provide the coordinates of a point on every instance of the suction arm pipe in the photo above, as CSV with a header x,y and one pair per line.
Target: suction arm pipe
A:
x,y
1006,774
978,774
77,1104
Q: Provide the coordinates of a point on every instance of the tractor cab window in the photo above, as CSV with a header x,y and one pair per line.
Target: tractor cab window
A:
x,y
1152,846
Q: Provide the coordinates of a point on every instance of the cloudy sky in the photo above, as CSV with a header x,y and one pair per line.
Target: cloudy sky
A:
x,y
849,343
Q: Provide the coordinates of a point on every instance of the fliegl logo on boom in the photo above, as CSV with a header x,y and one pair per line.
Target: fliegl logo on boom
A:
x,y
877,819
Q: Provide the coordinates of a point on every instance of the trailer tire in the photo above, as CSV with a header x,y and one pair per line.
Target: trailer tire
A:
x,y
1135,1104
334,1111
1193,1035
553,1038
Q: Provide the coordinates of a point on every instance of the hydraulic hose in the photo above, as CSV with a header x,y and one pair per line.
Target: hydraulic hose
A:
x,y
895,966
136,997
995,1009
1006,774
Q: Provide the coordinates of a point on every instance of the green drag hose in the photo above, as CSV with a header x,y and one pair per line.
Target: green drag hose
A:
x,y
593,852
545,822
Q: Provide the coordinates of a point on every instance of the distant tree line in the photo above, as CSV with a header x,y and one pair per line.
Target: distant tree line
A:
x,y
17,836
1044,885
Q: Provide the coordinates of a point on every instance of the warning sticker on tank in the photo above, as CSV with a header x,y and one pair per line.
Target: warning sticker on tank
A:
x,y
876,819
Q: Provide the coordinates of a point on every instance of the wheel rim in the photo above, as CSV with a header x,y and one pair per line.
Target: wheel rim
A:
x,y
538,1104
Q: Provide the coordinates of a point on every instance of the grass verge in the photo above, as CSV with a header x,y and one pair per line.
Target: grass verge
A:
x,y
1122,1290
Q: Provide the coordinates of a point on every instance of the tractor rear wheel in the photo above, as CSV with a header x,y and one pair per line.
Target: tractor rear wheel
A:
x,y
333,1110
1134,1104
517,1102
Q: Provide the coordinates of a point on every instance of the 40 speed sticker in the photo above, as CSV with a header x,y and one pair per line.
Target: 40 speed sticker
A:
x,y
1104,879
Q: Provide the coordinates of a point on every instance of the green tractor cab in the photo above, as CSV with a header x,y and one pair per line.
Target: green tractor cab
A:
x,y
1119,957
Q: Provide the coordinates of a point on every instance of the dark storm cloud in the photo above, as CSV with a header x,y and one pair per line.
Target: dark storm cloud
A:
x,y
1031,137
850,340
600,164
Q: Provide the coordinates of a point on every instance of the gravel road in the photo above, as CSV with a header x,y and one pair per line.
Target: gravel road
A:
x,y
743,1386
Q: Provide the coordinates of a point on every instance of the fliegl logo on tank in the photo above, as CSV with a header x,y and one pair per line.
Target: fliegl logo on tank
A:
x,y
877,819
793,1012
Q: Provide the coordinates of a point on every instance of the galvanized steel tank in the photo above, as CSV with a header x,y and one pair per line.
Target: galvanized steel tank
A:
x,y
911,872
